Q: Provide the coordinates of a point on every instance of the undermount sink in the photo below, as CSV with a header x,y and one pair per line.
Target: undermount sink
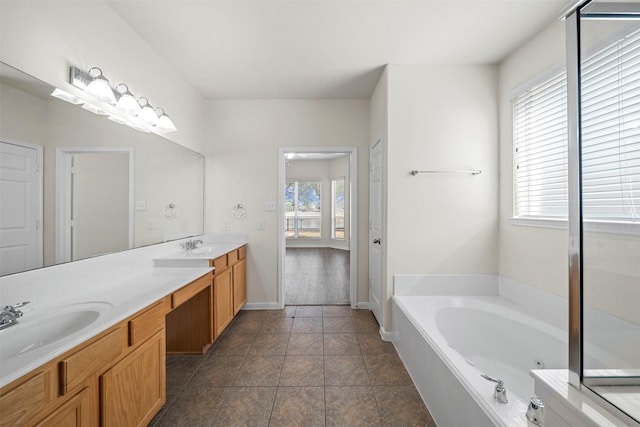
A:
x,y
204,250
37,330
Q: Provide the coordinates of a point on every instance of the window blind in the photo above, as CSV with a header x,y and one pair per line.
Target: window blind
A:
x,y
611,132
540,150
610,140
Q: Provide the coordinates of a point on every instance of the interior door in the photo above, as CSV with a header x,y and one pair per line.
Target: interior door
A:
x,y
375,231
20,248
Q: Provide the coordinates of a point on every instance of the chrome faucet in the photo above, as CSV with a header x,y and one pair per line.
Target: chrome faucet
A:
x,y
190,245
500,393
535,411
10,314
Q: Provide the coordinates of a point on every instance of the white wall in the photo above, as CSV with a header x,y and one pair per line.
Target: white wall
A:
x,y
242,167
539,256
442,118
45,38
325,171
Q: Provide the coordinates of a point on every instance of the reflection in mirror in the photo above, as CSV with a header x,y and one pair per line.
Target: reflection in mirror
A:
x,y
74,184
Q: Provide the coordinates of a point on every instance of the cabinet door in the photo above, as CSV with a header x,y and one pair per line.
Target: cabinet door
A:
x,y
74,413
222,301
239,285
133,391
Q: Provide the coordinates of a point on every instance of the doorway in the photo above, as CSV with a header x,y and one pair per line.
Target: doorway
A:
x,y
94,196
317,223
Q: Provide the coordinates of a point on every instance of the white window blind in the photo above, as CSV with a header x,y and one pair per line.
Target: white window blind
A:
x,y
540,150
610,140
611,132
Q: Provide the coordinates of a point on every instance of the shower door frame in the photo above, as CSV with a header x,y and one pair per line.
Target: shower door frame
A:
x,y
575,217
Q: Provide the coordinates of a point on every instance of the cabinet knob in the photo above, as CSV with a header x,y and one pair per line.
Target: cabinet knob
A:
x,y
376,241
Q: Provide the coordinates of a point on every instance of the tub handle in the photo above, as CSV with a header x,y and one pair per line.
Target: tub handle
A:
x,y
500,393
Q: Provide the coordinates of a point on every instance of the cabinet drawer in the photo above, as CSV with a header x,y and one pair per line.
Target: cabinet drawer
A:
x,y
187,292
232,257
78,367
242,252
144,325
23,402
219,264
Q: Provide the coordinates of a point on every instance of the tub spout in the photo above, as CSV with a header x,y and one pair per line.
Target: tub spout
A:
x,y
500,393
535,412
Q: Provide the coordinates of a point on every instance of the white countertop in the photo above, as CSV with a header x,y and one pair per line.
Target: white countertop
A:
x,y
197,257
125,298
107,289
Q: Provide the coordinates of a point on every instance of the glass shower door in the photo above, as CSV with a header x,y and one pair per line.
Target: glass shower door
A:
x,y
609,129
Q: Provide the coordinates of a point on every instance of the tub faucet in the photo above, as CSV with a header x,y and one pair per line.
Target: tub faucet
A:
x,y
10,314
500,393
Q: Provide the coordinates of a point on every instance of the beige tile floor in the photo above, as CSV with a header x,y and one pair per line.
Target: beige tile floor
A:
x,y
303,366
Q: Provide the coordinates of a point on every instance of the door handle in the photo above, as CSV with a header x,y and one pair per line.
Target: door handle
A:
x,y
376,241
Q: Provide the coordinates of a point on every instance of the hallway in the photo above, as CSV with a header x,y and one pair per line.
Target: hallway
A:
x,y
316,276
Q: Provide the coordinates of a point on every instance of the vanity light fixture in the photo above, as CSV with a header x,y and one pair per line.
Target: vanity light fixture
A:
x,y
94,109
148,113
66,96
119,104
164,122
99,86
127,102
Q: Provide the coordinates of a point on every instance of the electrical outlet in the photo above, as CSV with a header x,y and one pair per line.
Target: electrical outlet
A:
x,y
141,205
270,205
226,226
150,224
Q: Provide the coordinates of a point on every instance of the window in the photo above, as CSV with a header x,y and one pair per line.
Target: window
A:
x,y
337,208
610,140
302,209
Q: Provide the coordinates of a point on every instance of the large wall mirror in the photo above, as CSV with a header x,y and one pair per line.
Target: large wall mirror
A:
x,y
74,184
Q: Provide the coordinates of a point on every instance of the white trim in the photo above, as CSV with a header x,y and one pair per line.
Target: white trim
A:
x,y
609,227
353,214
261,306
386,335
40,161
63,196
311,245
362,305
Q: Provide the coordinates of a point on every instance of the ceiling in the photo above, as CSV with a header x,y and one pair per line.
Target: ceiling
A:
x,y
321,49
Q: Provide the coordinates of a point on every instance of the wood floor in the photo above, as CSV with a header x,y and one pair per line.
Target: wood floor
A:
x,y
316,276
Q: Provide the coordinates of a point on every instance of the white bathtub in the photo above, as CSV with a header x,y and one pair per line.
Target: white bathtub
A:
x,y
446,342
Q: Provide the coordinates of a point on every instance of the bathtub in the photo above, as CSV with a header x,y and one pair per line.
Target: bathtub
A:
x,y
446,342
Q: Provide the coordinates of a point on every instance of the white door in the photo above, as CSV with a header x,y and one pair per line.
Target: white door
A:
x,y
375,231
20,249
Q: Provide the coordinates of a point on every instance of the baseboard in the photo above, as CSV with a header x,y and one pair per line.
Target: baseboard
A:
x,y
362,305
385,335
261,306
317,246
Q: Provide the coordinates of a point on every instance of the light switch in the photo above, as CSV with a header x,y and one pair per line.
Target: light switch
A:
x,y
150,224
260,224
270,205
141,205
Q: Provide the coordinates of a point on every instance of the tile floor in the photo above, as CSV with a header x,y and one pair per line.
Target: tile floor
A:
x,y
302,366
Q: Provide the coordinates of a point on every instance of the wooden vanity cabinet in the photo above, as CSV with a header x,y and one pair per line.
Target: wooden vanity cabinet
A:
x,y
116,378
229,287
133,391
239,285
222,301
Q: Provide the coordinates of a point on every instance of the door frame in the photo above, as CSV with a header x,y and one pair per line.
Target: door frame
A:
x,y
64,209
352,152
40,192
